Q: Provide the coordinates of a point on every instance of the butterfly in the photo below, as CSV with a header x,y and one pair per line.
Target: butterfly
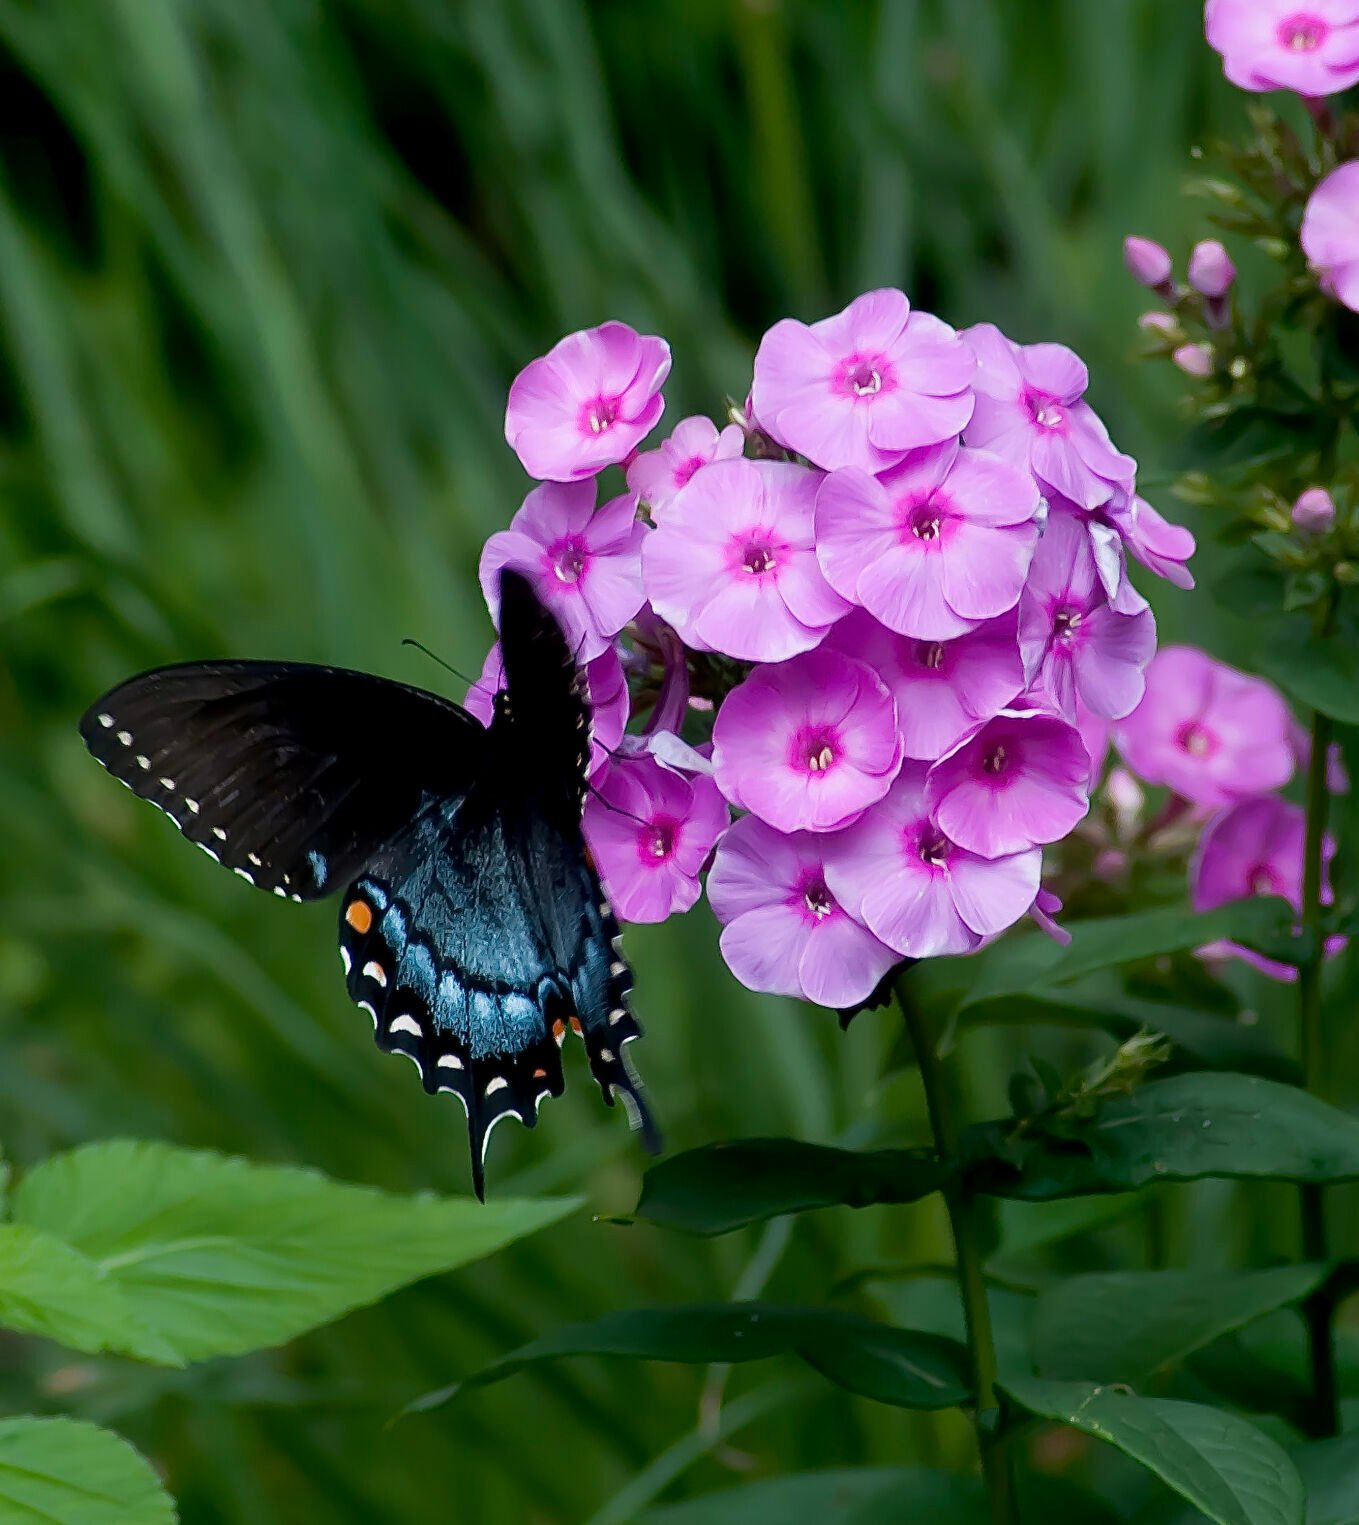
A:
x,y
473,927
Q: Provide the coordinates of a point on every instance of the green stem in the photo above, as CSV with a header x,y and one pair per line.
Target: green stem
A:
x,y
1323,1408
981,1342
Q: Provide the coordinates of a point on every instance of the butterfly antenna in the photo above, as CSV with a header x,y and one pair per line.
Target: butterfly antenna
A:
x,y
447,666
617,809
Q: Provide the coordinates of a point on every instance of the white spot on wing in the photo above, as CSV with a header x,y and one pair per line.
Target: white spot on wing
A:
x,y
255,859
618,967
496,1083
375,971
616,1016
420,1067
220,833
450,1062
367,1006
245,874
606,1054
125,737
143,762
345,959
280,892
106,721
209,851
167,783
404,1024
192,804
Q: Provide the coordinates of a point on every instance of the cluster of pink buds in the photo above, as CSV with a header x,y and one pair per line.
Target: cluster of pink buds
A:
x,y
884,615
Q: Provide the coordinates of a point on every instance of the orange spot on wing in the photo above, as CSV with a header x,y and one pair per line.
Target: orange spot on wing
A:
x,y
540,1074
559,1029
575,1025
359,915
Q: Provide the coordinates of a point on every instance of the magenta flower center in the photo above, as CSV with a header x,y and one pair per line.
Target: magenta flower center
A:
x,y
599,414
758,559
1302,32
1264,881
1045,410
817,898
930,654
996,761
934,847
815,748
863,376
688,468
656,840
1066,623
568,559
1196,739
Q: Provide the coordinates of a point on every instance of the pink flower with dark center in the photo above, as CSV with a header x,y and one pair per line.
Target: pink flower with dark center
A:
x,y
1255,848
732,565
1019,781
1073,643
920,893
1330,232
864,387
1311,46
586,565
651,831
942,688
587,402
1029,411
1160,546
807,744
783,931
657,475
608,690
1209,732
932,546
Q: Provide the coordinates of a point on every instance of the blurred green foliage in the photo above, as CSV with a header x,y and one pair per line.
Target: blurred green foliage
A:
x,y
266,270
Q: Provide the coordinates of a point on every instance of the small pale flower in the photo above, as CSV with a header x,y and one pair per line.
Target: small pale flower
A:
x,y
1019,781
587,403
864,387
1310,46
942,688
1030,411
1207,731
732,566
933,546
586,565
783,931
1330,231
1074,644
916,890
657,475
807,744
651,831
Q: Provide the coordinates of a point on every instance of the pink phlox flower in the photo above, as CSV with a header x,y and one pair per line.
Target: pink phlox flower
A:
x,y
1255,847
587,403
657,475
1030,411
1311,46
655,642
1043,911
1020,780
1330,231
585,564
1161,547
732,566
669,750
864,387
608,690
783,931
914,888
1094,731
807,744
651,831
1074,643
1209,732
932,546
942,688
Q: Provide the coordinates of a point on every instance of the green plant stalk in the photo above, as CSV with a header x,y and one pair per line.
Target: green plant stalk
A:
x,y
1323,1407
981,1344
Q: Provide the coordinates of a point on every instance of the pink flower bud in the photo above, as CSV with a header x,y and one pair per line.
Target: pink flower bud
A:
x,y
1148,262
1314,511
1125,793
1162,324
1194,359
1211,271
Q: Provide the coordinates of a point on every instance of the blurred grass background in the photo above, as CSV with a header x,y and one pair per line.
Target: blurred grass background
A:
x,y
267,268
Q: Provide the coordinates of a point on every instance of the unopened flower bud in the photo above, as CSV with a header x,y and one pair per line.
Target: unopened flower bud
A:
x,y
1110,864
1148,263
1125,793
1194,359
1211,272
1314,511
1163,325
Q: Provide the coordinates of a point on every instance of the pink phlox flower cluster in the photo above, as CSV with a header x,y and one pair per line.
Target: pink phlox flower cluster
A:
x,y
903,598
1308,46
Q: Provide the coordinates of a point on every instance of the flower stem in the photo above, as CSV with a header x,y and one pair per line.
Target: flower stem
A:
x,y
981,1343
1323,1407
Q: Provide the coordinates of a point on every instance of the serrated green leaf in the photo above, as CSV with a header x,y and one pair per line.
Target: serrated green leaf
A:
x,y
1120,1326
898,1366
218,1256
849,1496
48,1288
1180,1129
725,1186
67,1472
1230,1471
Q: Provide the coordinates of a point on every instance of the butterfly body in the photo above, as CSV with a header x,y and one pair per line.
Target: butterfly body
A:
x,y
473,929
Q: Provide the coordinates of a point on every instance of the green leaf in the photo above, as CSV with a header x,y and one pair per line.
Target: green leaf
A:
x,y
898,1366
1121,1326
1180,1129
218,1256
725,1186
1322,674
1230,1471
48,1288
852,1496
67,1472
1330,1476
